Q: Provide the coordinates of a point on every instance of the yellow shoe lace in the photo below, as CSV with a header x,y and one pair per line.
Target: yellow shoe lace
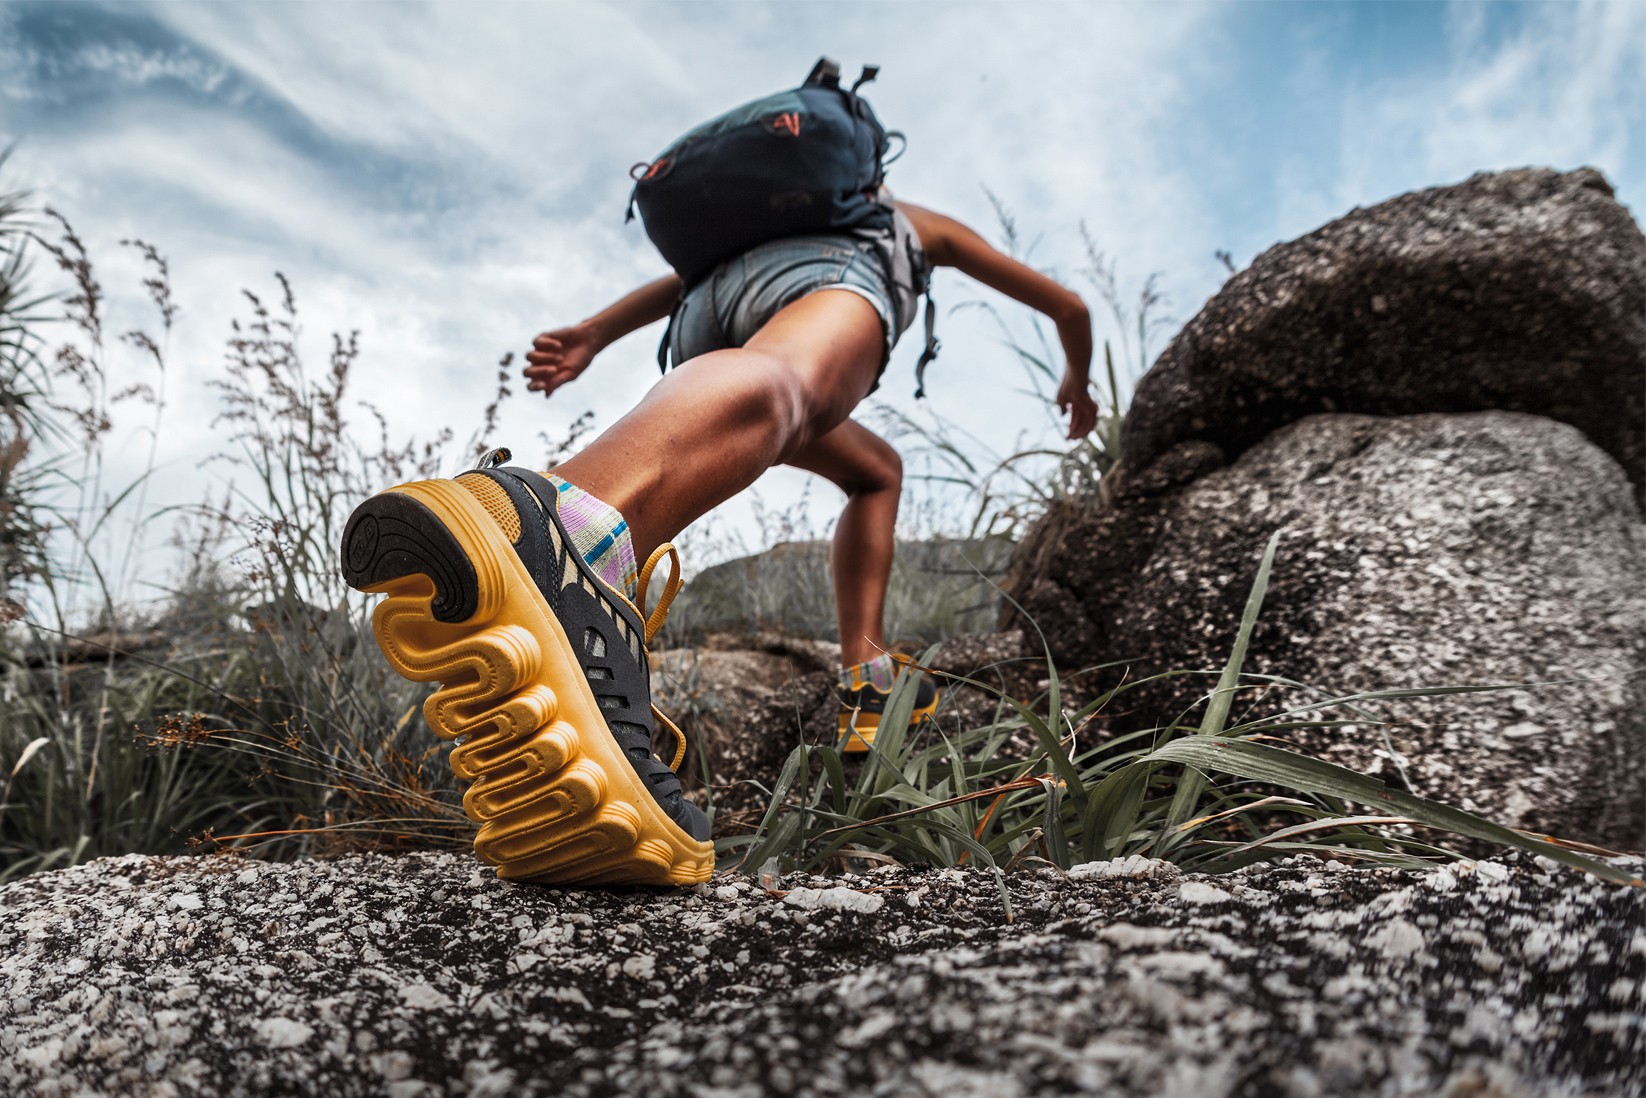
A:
x,y
655,621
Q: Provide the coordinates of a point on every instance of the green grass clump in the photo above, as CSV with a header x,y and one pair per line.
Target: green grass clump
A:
x,y
247,705
1187,796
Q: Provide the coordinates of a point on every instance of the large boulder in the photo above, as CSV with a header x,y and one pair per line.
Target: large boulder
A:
x,y
427,975
1522,290
938,587
1431,550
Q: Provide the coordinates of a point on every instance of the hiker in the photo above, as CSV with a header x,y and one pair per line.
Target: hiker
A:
x,y
520,591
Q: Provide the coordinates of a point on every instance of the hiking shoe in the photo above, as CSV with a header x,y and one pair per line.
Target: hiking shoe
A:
x,y
863,692
544,676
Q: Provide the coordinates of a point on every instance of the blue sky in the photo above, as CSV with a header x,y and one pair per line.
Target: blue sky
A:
x,y
450,178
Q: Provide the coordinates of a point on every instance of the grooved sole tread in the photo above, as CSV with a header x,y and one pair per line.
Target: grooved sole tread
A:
x,y
555,799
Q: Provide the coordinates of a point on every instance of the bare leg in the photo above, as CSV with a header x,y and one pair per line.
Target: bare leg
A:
x,y
865,467
710,428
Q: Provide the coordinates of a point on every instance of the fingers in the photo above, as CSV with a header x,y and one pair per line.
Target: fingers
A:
x,y
1082,415
546,350
546,379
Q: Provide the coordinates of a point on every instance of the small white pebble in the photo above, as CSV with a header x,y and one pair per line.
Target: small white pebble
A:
x,y
835,899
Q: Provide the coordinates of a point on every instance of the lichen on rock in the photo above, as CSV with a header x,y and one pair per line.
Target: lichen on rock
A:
x,y
425,975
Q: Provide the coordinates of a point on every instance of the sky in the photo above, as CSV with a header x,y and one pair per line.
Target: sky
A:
x,y
449,179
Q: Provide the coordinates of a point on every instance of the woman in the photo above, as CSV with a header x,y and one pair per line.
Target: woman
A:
x,y
773,351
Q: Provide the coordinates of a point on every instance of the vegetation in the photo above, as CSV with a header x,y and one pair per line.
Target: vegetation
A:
x,y
1181,793
251,706
248,708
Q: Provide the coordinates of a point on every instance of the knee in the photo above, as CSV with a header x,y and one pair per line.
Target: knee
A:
x,y
770,394
881,470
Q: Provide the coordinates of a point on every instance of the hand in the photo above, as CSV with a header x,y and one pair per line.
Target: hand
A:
x,y
560,356
1074,397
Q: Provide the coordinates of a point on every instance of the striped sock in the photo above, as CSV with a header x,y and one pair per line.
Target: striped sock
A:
x,y
879,673
600,535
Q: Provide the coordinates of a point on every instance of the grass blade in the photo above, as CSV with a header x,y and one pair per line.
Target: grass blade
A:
x,y
1260,762
1192,784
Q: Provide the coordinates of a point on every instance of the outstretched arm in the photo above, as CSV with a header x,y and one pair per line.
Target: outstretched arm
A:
x,y
561,355
948,243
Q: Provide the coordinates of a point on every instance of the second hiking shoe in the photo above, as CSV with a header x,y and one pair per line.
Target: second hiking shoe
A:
x,y
544,675
864,691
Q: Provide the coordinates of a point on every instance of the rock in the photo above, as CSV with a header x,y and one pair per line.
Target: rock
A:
x,y
935,590
426,975
749,698
1430,550
713,690
1521,290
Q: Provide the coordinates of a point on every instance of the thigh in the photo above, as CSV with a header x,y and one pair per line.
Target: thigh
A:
x,y
829,345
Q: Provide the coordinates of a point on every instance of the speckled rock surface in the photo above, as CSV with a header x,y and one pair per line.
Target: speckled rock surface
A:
x,y
425,975
1434,550
1522,290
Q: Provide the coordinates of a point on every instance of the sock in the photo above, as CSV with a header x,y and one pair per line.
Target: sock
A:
x,y
879,673
600,535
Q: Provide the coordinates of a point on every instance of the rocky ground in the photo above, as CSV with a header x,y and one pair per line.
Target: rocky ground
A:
x,y
426,975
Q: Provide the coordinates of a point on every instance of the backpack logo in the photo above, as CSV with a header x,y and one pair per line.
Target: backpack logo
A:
x,y
787,122
654,170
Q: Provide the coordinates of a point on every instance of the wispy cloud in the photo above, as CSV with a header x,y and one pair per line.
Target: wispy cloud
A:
x,y
450,178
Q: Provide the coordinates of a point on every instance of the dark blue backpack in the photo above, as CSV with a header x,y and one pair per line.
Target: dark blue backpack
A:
x,y
808,160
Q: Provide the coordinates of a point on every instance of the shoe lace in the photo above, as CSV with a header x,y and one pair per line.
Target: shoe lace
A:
x,y
654,622
671,588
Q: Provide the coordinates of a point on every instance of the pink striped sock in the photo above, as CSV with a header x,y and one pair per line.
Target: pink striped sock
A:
x,y
600,535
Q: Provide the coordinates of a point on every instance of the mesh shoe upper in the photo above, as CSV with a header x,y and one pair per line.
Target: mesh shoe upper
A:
x,y
606,631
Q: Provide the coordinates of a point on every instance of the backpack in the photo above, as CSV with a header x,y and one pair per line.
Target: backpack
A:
x,y
807,160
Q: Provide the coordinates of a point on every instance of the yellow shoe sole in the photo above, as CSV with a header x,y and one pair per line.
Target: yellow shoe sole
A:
x,y
862,727
555,798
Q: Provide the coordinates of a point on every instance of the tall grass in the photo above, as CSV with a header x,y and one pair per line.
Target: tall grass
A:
x,y
249,705
1199,795
74,786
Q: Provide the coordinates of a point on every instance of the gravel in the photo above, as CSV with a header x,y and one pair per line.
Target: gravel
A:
x,y
425,975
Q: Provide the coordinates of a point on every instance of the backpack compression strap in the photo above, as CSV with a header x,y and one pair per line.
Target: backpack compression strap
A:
x,y
932,345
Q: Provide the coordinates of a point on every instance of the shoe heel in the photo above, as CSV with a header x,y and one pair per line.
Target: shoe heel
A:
x,y
857,729
554,798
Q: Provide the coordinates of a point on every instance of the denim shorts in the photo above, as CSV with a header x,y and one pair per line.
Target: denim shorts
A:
x,y
736,300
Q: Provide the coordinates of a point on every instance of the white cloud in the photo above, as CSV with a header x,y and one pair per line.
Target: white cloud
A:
x,y
1564,88
135,66
450,178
